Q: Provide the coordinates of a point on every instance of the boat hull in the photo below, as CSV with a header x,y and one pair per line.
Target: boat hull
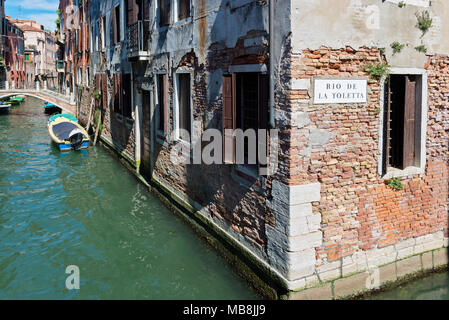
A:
x,y
50,108
68,146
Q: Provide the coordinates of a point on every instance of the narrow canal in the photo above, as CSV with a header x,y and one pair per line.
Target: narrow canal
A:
x,y
432,287
85,209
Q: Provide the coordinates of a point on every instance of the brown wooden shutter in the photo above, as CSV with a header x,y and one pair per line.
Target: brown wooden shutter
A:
x,y
136,10
117,93
97,88
130,11
80,39
263,109
229,118
164,12
184,9
104,91
409,122
164,101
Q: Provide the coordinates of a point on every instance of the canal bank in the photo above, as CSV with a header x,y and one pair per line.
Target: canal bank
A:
x,y
376,282
85,209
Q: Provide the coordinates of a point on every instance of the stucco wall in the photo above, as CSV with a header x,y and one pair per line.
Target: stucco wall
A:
x,y
370,23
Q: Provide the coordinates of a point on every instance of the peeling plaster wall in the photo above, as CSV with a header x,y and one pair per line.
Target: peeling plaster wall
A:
x,y
359,23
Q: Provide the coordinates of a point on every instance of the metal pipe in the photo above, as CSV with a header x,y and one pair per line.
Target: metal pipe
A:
x,y
271,18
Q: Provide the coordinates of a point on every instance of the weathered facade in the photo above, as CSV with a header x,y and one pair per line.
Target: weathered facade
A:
x,y
360,194
41,44
14,54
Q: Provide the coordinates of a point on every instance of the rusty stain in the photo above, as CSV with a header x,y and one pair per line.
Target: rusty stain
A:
x,y
202,24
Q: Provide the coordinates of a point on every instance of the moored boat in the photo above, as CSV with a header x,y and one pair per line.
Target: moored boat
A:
x,y
64,115
68,134
50,108
4,107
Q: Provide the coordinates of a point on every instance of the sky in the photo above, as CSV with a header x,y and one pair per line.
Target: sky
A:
x,y
42,11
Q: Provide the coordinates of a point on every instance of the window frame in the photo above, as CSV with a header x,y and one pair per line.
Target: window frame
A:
x,y
421,120
175,10
244,172
176,114
161,133
103,33
157,14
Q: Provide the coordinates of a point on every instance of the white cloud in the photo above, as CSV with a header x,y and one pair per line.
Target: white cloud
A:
x,y
46,19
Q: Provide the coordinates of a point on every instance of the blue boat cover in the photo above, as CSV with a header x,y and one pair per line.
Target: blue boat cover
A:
x,y
63,130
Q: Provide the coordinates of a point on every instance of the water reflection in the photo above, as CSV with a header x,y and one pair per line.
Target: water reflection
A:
x,y
85,209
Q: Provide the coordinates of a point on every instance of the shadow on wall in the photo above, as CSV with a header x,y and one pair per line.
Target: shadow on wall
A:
x,y
238,201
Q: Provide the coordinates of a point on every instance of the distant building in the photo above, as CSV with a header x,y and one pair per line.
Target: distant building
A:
x,y
66,50
43,43
2,42
30,67
14,54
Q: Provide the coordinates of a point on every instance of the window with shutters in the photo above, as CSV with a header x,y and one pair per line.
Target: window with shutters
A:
x,y
183,104
104,90
183,8
116,91
403,132
164,12
245,107
161,104
116,32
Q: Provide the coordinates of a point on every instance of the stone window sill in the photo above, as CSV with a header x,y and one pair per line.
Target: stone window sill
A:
x,y
398,173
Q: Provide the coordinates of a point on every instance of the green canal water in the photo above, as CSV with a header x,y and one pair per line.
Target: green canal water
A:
x,y
432,287
85,209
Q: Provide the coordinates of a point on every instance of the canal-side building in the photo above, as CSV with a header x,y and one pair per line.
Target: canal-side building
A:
x,y
31,58
68,21
43,44
357,92
110,75
2,42
14,55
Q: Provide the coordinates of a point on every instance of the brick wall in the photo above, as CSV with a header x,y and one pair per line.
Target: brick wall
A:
x,y
340,150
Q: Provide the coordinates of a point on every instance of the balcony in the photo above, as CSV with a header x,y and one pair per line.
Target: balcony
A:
x,y
137,40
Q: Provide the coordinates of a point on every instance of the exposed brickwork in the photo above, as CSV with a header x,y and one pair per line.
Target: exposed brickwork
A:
x,y
359,211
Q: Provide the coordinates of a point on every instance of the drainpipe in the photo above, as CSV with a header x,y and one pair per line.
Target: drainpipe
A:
x,y
271,18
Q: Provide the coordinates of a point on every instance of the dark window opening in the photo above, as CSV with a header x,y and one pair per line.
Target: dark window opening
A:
x,y
402,103
161,107
247,105
164,13
184,102
117,35
126,95
183,9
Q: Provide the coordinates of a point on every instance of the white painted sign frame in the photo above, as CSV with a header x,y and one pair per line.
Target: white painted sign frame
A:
x,y
340,91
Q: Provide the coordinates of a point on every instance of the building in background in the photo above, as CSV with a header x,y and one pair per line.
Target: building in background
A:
x,y
3,38
31,69
43,43
14,54
65,35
